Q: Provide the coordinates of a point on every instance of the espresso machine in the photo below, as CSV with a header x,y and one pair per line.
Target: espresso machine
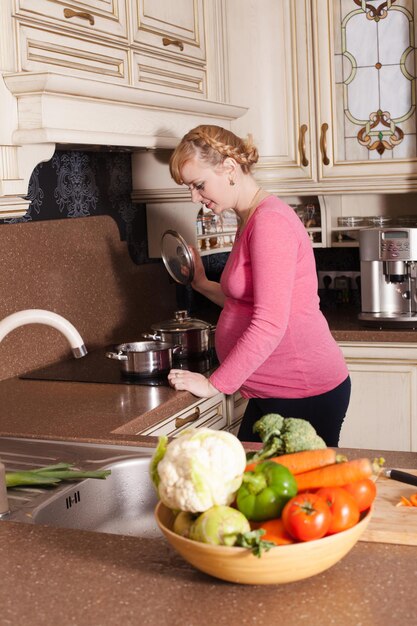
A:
x,y
388,259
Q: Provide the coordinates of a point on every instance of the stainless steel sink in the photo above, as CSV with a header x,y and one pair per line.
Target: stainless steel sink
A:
x,y
121,504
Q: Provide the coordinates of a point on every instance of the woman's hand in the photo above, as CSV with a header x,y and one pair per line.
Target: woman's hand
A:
x,y
199,269
208,288
197,384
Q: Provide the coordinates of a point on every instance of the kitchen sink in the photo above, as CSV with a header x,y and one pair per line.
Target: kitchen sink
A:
x,y
121,504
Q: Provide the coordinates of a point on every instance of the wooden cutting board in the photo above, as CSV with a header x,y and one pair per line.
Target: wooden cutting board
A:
x,y
390,523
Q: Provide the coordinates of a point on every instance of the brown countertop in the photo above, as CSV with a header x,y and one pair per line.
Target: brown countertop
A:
x,y
69,577
85,412
345,326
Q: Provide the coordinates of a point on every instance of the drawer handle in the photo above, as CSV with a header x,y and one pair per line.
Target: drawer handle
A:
x,y
173,42
302,144
323,144
180,421
68,13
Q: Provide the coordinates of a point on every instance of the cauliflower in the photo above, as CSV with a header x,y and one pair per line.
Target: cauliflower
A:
x,y
283,435
199,469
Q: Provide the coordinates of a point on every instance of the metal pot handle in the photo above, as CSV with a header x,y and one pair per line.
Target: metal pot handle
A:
x,y
119,356
155,336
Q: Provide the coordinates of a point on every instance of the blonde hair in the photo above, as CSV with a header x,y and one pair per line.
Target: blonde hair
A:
x,y
212,144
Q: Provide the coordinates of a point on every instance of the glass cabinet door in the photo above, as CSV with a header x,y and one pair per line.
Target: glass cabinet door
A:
x,y
366,70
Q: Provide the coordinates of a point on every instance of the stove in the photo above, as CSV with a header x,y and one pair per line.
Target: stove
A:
x,y
95,367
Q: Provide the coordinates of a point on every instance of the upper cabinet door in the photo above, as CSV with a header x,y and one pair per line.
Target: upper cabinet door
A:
x,y
95,17
365,73
174,27
270,71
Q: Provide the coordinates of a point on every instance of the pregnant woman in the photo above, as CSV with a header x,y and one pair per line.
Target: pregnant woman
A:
x,y
272,341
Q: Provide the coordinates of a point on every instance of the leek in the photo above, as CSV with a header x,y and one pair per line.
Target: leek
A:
x,y
51,475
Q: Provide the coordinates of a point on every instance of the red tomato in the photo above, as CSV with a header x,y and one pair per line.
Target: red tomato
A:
x,y
364,492
343,507
275,532
306,517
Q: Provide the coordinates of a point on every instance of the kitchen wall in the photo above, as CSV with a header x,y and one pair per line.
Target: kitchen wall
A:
x,y
81,252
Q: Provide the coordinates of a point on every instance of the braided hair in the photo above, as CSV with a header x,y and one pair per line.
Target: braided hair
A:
x,y
212,144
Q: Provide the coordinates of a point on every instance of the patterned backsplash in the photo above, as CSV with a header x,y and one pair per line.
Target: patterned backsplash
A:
x,y
83,184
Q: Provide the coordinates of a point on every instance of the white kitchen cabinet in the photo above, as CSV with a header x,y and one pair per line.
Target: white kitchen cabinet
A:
x,y
162,49
331,92
83,39
235,406
95,18
270,69
209,413
135,74
177,28
169,46
365,81
382,414
48,49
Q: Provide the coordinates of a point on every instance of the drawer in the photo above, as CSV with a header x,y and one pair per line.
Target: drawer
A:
x,y
176,27
93,17
168,75
210,413
43,49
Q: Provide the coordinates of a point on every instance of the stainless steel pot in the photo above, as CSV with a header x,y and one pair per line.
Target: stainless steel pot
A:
x,y
194,336
144,358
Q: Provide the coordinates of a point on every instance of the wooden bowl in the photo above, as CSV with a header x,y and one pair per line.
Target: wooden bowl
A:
x,y
283,564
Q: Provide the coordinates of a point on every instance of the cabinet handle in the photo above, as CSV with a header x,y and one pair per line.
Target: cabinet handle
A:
x,y
323,144
173,42
302,144
180,421
69,13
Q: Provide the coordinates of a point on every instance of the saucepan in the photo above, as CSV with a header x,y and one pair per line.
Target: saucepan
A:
x,y
144,358
193,335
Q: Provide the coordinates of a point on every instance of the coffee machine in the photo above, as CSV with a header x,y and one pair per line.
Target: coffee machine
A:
x,y
388,259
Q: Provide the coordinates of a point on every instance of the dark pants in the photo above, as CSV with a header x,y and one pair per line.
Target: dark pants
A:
x,y
325,412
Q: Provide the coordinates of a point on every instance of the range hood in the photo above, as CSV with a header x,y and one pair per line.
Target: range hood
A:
x,y
43,109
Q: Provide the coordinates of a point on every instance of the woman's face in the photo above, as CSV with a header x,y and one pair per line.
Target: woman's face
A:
x,y
208,185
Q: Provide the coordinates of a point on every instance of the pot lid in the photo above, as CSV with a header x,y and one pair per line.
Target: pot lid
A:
x,y
177,257
180,323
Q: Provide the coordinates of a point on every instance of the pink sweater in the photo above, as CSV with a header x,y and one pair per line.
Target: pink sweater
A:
x,y
272,340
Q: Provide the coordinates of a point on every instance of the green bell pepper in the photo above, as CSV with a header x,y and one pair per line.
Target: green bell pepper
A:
x,y
265,491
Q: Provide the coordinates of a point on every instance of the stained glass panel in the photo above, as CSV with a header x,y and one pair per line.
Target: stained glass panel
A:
x,y
375,72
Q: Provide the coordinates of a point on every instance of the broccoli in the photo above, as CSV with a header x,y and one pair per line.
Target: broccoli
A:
x,y
283,435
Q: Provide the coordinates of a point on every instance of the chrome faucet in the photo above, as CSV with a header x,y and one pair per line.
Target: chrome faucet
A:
x,y
40,316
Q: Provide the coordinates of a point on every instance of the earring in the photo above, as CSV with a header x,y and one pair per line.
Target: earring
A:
x,y
231,182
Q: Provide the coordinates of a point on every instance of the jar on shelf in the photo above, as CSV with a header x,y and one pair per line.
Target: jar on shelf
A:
x,y
200,223
379,220
351,221
311,216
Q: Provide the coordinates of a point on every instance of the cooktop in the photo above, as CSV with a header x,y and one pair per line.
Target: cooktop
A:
x,y
95,367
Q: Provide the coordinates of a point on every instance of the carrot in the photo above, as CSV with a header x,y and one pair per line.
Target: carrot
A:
x,y
404,502
335,475
275,532
411,501
304,461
